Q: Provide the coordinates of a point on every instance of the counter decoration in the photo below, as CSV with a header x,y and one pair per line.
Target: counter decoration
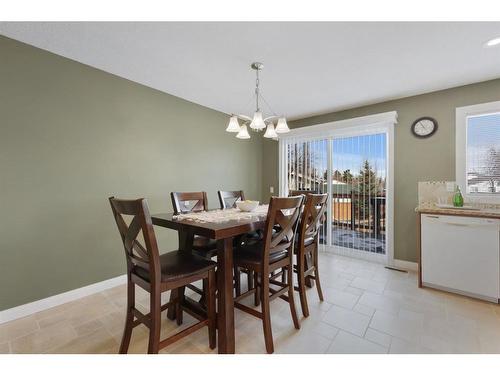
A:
x,y
458,199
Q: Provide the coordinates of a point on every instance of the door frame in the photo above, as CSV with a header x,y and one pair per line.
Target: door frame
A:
x,y
358,126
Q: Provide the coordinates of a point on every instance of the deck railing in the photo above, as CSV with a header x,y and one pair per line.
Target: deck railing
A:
x,y
355,212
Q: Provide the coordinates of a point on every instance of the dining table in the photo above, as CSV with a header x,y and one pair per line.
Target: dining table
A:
x,y
222,226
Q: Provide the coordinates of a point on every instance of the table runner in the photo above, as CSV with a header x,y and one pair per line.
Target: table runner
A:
x,y
220,216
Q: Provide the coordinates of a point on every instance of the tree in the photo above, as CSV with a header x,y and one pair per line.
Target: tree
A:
x,y
347,175
337,175
303,170
367,186
492,167
367,180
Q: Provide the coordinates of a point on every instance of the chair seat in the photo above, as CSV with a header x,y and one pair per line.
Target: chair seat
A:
x,y
204,247
176,265
308,241
204,243
251,254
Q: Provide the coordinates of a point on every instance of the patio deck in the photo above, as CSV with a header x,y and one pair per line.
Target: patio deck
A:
x,y
358,240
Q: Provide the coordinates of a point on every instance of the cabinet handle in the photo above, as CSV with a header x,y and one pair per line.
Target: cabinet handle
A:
x,y
461,225
433,217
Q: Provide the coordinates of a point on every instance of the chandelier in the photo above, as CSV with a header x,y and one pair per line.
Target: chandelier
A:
x,y
257,122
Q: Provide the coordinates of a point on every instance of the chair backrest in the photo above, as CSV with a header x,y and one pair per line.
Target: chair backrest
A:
x,y
145,256
189,202
281,226
312,216
294,193
228,199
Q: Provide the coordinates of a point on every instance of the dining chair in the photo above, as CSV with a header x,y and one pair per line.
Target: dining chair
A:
x,y
204,247
228,199
157,274
306,246
185,202
273,252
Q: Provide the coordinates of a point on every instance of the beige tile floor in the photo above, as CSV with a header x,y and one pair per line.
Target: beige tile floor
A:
x,y
367,309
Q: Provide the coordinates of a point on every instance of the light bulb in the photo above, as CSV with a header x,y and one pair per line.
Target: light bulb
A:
x,y
257,121
493,42
233,126
243,133
270,132
282,126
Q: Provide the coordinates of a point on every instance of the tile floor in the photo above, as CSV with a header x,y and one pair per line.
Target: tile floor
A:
x,y
367,309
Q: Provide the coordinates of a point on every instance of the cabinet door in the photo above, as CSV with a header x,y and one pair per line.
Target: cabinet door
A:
x,y
461,254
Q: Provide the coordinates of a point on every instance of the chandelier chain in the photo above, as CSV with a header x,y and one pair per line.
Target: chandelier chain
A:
x,y
268,105
257,82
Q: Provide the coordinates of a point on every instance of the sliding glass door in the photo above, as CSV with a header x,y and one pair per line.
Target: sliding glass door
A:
x,y
358,193
353,168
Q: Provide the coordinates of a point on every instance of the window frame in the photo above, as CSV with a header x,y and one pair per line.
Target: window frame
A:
x,y
462,114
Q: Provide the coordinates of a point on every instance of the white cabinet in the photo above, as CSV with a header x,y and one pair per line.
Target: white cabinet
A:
x,y
461,254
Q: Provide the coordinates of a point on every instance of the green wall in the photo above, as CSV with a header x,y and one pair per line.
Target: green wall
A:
x,y
415,159
70,137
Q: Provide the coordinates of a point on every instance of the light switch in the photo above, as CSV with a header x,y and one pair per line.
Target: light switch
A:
x,y
271,189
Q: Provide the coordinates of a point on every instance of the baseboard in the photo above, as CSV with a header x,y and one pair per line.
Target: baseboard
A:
x,y
59,299
404,264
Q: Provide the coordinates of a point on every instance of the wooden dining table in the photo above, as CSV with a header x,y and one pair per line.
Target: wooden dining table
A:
x,y
223,232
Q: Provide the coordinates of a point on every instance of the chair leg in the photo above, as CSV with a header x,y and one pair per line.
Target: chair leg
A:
x,y
237,281
283,275
316,274
250,279
302,286
266,314
202,301
309,280
178,306
210,298
256,296
174,293
127,332
154,330
291,301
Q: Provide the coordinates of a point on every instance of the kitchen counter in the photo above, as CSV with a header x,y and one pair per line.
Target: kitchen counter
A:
x,y
490,213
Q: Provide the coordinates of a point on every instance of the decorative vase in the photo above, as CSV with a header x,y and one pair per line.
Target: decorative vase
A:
x,y
458,199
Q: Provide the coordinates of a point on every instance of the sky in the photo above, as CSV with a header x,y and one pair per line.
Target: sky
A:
x,y
351,152
483,132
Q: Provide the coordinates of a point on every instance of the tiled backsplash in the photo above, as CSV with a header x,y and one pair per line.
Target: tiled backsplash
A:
x,y
432,192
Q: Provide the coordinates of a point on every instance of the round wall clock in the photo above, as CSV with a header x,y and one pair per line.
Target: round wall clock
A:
x,y
424,127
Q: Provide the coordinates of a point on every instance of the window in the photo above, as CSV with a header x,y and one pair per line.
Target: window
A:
x,y
478,151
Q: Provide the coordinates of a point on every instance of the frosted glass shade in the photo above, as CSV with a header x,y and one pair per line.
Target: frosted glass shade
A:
x,y
282,126
243,133
257,121
270,132
233,126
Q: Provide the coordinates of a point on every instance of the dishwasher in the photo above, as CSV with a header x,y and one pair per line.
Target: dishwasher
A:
x,y
461,254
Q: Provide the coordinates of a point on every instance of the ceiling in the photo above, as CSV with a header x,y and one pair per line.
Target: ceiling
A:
x,y
310,68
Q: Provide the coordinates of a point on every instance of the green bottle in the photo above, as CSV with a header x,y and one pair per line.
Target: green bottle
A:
x,y
458,199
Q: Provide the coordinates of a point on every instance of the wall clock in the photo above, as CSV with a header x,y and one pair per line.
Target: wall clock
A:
x,y
424,127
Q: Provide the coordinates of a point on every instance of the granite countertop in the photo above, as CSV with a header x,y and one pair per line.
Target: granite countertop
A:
x,y
483,212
